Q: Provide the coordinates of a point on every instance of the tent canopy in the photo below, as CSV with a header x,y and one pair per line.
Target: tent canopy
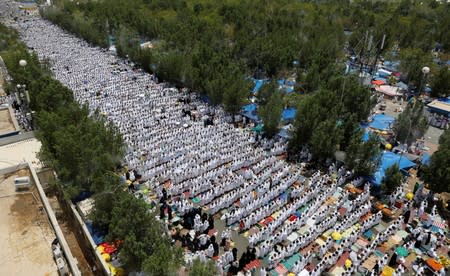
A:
x,y
288,114
381,122
389,159
388,90
250,112
440,107
378,82
425,159
258,85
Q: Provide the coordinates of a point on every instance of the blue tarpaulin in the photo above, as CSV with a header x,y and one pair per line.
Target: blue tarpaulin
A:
x,y
444,100
425,159
286,86
250,111
381,122
365,136
389,159
288,114
258,85
97,235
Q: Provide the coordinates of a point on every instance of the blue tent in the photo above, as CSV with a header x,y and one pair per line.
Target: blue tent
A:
x,y
288,114
97,235
381,122
258,85
444,100
250,112
387,160
425,159
365,136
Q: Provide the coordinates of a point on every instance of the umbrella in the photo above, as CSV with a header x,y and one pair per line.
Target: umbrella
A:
x,y
378,82
402,251
336,236
409,196
348,263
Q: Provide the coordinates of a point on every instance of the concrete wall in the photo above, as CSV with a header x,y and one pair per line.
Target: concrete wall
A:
x,y
71,261
84,237
13,120
16,138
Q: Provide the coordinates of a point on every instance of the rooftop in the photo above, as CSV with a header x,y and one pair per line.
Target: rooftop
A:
x,y
20,152
8,122
25,231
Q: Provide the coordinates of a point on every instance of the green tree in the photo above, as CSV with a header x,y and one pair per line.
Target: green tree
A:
x,y
311,111
236,92
165,261
441,83
438,172
266,92
363,157
412,60
271,114
202,269
325,139
144,246
392,179
411,124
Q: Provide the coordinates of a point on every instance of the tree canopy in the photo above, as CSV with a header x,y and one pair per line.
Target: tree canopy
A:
x,y
411,123
195,42
392,179
438,173
441,83
363,157
270,114
202,269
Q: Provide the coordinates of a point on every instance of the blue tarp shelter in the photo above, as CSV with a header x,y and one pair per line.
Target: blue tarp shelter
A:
x,y
258,85
365,137
250,112
445,100
97,235
381,122
425,159
286,86
288,114
389,159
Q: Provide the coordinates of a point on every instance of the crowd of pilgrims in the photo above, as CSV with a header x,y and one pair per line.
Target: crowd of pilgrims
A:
x,y
173,136
22,115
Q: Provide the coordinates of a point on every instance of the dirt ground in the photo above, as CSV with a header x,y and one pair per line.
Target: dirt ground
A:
x,y
6,123
431,135
71,239
45,177
25,232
